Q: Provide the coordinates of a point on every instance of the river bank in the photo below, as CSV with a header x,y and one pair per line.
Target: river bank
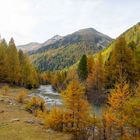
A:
x,y
18,124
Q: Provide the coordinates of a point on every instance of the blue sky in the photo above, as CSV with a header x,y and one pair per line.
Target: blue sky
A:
x,y
38,20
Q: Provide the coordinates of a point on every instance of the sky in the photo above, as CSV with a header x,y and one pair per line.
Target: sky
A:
x,y
38,20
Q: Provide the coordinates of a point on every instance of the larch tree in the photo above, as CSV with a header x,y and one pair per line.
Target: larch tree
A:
x,y
99,73
91,81
117,101
30,76
90,64
13,63
3,62
95,80
121,63
76,104
54,119
22,60
132,111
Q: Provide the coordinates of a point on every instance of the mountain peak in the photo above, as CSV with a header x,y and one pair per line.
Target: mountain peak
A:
x,y
86,30
91,33
56,37
52,40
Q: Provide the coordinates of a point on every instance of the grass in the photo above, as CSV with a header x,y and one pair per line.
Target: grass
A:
x,y
20,130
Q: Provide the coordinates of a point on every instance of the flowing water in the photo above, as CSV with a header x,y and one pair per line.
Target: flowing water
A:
x,y
51,97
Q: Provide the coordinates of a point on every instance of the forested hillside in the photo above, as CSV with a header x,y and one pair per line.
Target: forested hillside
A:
x,y
132,37
68,49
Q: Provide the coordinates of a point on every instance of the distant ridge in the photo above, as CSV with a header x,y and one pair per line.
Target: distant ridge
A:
x,y
29,47
34,45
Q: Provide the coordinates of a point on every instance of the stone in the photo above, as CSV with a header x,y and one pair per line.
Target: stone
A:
x,y
15,120
11,103
30,121
40,122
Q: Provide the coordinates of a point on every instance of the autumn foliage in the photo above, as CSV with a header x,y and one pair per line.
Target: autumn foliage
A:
x,y
35,104
115,79
15,66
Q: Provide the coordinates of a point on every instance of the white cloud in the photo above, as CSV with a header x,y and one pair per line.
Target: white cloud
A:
x,y
16,19
37,20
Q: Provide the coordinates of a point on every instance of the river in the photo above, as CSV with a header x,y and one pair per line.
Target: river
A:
x,y
52,98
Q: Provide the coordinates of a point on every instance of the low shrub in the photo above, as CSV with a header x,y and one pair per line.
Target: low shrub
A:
x,y
34,104
21,96
5,89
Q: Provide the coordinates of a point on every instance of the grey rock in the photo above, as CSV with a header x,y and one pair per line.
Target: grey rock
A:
x,y
11,103
40,122
15,120
30,121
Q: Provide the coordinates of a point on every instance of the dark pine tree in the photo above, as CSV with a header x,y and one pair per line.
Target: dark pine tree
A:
x,y
82,68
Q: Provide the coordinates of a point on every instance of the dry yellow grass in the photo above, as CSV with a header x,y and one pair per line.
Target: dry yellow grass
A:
x,y
20,130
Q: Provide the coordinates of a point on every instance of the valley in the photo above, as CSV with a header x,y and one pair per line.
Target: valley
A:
x,y
81,86
69,70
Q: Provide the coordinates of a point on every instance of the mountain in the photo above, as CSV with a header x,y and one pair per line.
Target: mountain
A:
x,y
89,36
34,45
67,50
29,47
